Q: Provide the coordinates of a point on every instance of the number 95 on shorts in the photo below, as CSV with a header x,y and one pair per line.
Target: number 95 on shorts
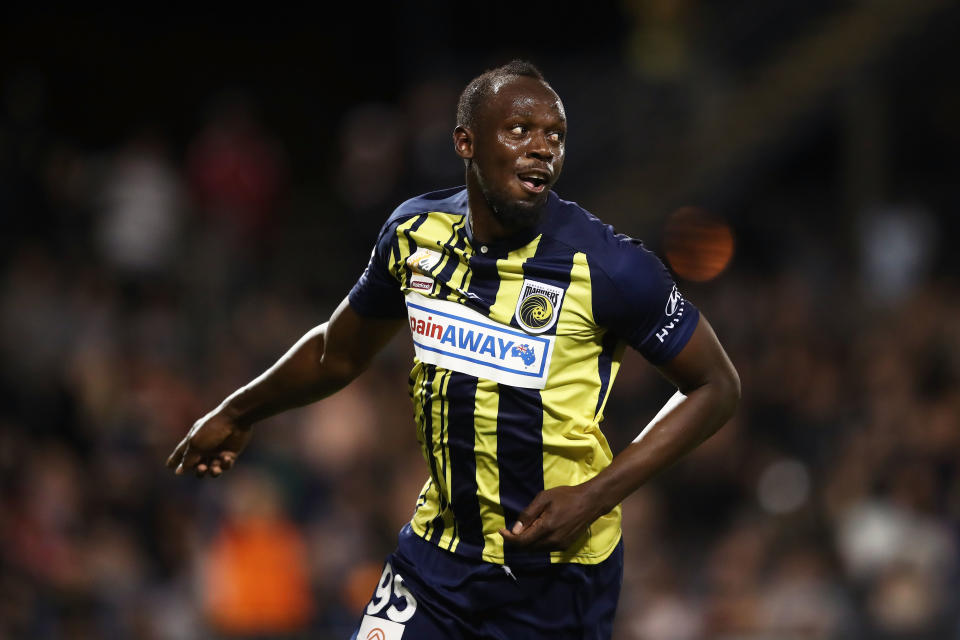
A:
x,y
388,612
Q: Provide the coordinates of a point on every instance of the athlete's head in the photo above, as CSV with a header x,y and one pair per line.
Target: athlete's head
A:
x,y
511,130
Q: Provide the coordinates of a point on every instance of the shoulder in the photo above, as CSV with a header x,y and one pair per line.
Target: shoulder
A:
x,y
621,259
447,200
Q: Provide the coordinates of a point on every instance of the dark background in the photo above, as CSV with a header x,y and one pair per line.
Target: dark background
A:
x,y
183,193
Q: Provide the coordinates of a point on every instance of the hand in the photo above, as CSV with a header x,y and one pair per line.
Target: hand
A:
x,y
555,519
211,446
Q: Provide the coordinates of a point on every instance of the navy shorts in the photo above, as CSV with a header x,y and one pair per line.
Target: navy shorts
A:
x,y
427,593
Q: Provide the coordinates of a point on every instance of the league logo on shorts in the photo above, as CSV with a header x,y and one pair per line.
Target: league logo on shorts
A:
x,y
538,307
373,628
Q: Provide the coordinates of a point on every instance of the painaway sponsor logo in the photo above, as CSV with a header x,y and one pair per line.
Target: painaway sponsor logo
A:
x,y
456,337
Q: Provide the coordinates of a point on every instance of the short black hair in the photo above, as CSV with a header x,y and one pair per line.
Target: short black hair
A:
x,y
481,86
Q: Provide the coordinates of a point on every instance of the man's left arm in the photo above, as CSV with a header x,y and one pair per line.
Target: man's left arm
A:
x,y
708,390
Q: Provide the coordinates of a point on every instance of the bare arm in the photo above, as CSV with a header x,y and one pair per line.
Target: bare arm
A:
x,y
708,390
321,363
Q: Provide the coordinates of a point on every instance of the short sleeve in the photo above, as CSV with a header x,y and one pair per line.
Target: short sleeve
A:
x,y
377,293
635,297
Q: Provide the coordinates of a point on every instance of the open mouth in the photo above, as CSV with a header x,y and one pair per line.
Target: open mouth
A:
x,y
533,182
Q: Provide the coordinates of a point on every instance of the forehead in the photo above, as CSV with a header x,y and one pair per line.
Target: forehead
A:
x,y
521,96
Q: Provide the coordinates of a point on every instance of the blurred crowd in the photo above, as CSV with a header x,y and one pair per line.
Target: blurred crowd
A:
x,y
141,283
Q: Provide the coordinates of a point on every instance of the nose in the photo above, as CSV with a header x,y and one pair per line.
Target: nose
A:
x,y
539,147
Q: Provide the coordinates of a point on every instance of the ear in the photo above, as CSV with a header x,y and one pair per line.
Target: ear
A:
x,y
463,142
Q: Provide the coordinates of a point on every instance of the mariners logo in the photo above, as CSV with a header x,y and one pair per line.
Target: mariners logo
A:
x,y
538,306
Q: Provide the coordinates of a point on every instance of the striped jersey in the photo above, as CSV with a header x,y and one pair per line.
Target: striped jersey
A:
x,y
517,345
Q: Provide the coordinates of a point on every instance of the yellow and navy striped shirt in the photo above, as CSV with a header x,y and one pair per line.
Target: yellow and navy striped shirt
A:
x,y
517,345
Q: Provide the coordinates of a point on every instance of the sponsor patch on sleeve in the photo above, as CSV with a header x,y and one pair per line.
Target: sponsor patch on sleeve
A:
x,y
673,313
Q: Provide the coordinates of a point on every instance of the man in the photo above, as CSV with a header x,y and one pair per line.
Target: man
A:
x,y
519,305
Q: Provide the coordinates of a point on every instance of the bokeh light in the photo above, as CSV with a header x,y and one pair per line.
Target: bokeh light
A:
x,y
184,195
783,487
697,243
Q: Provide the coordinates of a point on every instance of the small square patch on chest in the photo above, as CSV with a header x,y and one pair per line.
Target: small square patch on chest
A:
x,y
538,306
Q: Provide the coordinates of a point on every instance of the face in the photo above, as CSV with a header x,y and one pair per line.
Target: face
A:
x,y
517,149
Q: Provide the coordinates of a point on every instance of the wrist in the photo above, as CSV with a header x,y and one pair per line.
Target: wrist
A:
x,y
233,409
600,496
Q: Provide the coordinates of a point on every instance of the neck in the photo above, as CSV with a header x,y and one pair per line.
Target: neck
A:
x,y
485,226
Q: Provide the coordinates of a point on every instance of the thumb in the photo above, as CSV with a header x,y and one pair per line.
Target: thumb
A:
x,y
190,460
533,511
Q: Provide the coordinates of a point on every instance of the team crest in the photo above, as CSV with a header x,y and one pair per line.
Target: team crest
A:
x,y
538,306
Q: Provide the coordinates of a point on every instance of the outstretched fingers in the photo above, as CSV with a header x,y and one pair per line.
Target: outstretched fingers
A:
x,y
218,465
210,448
214,465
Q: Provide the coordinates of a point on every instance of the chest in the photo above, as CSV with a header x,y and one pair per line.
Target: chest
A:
x,y
498,315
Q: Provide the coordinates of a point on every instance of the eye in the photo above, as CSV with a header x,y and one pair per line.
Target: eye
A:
x,y
518,130
556,137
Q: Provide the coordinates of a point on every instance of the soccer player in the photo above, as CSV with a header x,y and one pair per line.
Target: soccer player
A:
x,y
519,305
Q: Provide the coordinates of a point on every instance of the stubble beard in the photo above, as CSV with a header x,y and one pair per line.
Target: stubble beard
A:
x,y
511,214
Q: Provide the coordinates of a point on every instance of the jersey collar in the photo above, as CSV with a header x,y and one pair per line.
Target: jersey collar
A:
x,y
520,239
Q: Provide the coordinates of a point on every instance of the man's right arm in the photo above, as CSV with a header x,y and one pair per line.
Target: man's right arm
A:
x,y
321,363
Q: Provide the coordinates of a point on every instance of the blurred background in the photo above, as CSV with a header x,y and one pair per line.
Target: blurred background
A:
x,y
184,194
